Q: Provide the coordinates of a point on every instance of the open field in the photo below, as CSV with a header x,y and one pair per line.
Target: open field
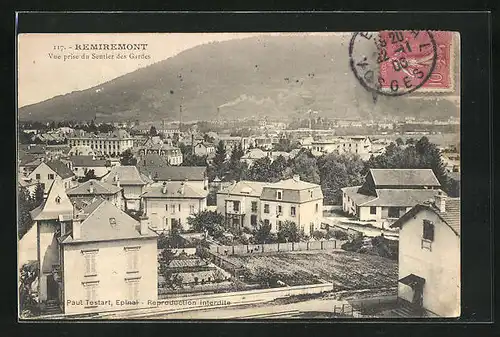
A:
x,y
346,270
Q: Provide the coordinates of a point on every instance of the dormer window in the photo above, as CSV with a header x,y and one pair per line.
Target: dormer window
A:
x,y
58,200
279,195
112,222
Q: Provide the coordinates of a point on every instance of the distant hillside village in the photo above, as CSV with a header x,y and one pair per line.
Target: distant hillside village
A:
x,y
144,212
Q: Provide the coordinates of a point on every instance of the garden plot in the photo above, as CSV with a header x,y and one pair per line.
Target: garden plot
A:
x,y
346,270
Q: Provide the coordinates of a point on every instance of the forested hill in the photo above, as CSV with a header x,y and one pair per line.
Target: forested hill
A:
x,y
272,76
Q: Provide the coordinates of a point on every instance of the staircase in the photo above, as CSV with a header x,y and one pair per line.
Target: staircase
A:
x,y
405,310
50,307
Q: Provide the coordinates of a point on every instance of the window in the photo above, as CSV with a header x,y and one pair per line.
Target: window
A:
x,y
311,228
133,290
373,210
191,209
91,291
90,263
279,209
293,211
428,230
253,220
37,176
279,225
236,221
179,207
266,208
279,195
254,206
317,208
172,208
236,206
266,222
50,176
166,207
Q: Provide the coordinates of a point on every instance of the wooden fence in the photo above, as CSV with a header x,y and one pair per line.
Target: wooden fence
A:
x,y
275,247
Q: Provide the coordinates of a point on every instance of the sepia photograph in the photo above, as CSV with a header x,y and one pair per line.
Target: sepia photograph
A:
x,y
239,176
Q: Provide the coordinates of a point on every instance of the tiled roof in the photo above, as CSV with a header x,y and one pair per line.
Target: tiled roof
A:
x,y
98,187
87,161
404,177
400,197
451,216
174,190
358,198
293,191
60,168
106,222
244,187
174,173
128,175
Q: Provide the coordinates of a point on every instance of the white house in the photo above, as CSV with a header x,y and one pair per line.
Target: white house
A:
x,y
240,203
81,165
108,261
49,171
429,256
292,200
204,149
389,193
168,203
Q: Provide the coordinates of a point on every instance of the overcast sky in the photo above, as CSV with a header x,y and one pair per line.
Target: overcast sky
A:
x,y
41,78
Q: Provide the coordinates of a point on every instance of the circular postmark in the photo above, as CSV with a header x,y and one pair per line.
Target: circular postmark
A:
x,y
392,63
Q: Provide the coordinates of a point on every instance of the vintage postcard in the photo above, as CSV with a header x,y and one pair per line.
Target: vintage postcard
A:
x,y
239,175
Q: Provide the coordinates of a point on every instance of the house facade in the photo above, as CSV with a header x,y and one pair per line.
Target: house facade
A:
x,y
49,171
87,191
109,144
108,261
168,203
429,256
248,203
204,149
81,165
131,181
389,193
240,204
295,201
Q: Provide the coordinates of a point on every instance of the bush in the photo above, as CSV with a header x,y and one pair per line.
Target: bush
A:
x,y
337,234
318,235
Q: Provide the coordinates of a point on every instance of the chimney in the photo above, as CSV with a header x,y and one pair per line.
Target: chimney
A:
x,y
296,177
91,187
77,227
164,188
144,225
440,201
181,189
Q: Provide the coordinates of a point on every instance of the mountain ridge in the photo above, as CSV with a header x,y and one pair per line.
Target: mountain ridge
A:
x,y
274,76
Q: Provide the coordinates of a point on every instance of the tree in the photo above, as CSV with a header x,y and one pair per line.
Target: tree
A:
x,y
289,232
152,131
90,174
105,128
219,161
24,207
27,303
338,171
127,158
304,164
399,141
263,234
209,221
38,196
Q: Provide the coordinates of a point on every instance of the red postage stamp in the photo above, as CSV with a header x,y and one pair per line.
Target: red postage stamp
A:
x,y
412,53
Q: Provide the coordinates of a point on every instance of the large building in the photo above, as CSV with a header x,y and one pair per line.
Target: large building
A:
x,y
429,257
389,193
247,204
92,257
109,144
170,203
240,203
